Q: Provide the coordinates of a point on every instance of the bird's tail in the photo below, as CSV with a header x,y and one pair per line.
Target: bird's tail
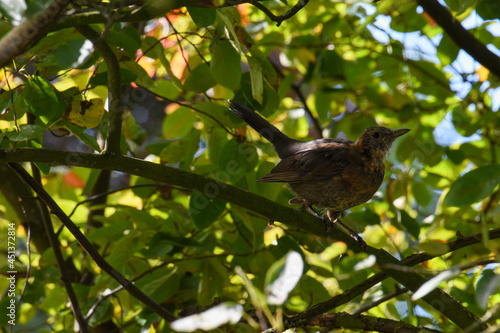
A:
x,y
263,127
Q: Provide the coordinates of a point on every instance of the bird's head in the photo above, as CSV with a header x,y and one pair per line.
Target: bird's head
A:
x,y
378,140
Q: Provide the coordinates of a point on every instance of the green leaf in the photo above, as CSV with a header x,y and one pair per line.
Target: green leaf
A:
x,y
160,284
205,209
474,186
256,79
126,38
488,9
210,319
101,79
202,17
235,160
225,65
182,150
216,139
42,99
214,114
79,132
178,123
27,132
132,130
422,193
166,88
486,286
36,7
200,79
268,70
229,17
409,223
73,54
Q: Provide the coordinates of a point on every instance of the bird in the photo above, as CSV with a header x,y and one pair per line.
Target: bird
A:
x,y
332,174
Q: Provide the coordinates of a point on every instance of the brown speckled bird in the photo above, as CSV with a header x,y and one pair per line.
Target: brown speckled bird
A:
x,y
335,174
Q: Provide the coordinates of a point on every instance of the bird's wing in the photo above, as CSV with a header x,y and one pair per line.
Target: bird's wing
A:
x,y
321,163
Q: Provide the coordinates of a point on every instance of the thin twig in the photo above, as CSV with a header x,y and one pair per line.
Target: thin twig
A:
x,y
279,19
190,107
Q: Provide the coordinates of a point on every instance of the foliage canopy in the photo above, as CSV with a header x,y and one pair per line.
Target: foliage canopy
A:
x,y
146,204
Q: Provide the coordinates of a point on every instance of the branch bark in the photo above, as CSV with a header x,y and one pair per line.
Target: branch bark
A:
x,y
463,38
366,323
27,33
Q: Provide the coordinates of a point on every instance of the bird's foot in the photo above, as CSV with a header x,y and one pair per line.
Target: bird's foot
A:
x,y
334,218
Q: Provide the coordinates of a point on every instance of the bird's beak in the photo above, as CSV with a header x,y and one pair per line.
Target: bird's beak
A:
x,y
398,133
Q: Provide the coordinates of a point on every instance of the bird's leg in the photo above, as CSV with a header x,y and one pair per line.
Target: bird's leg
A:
x,y
334,218
315,213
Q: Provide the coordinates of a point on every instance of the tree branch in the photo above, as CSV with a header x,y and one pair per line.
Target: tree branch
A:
x,y
115,103
27,33
463,38
89,248
49,229
279,19
365,323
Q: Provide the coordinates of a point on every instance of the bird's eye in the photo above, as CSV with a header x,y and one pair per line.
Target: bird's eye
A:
x,y
376,135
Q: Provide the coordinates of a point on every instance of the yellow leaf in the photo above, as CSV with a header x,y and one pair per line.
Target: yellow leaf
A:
x,y
86,113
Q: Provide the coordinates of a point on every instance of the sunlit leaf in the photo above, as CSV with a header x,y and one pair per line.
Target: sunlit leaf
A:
x,y
42,99
282,277
210,319
27,132
132,130
86,113
178,123
366,263
433,283
74,53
